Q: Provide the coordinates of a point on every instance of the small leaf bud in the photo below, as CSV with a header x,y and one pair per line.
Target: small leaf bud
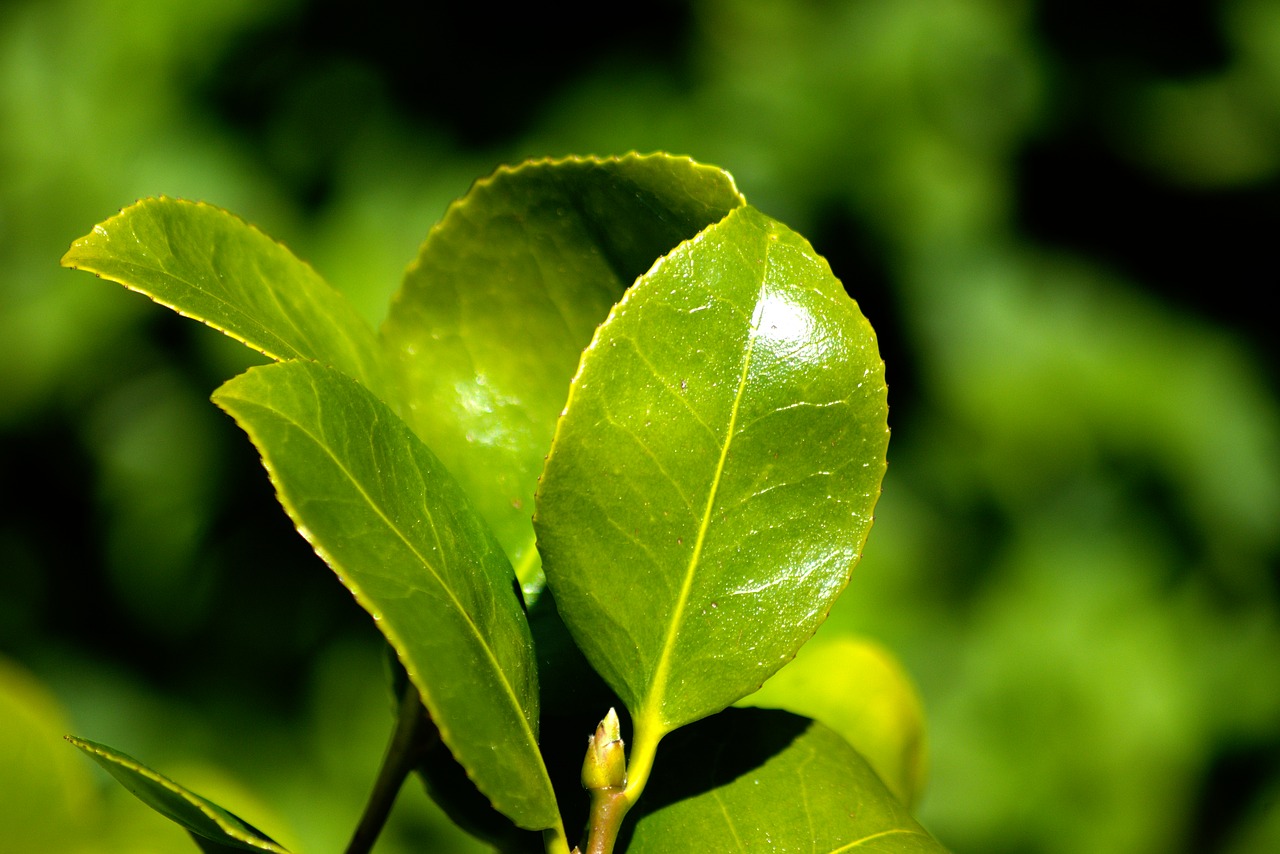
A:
x,y
605,766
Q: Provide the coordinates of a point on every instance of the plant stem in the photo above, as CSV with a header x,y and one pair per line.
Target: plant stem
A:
x,y
640,763
608,807
404,753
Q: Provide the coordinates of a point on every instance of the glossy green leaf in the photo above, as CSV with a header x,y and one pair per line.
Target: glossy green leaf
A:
x,y
858,688
712,480
207,264
213,828
508,288
384,514
768,781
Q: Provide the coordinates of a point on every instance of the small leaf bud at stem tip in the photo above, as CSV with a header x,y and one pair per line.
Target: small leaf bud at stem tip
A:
x,y
605,766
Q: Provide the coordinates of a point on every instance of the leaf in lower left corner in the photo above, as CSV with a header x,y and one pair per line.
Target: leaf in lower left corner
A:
x,y
214,829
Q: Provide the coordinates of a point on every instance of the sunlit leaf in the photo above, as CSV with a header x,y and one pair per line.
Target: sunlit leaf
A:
x,y
712,480
857,688
400,534
213,828
508,288
206,264
769,781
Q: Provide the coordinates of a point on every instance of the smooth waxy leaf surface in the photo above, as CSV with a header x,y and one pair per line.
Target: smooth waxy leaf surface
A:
x,y
209,265
769,781
212,827
857,688
711,482
508,288
400,534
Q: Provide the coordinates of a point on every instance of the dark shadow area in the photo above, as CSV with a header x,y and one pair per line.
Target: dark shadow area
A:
x,y
861,263
479,74
574,699
1205,250
1236,784
1209,252
1178,39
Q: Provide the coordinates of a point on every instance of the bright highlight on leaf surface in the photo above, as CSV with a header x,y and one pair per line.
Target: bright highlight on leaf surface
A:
x,y
508,288
712,479
709,488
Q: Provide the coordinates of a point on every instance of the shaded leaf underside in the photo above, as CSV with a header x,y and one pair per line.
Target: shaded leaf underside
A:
x,y
859,689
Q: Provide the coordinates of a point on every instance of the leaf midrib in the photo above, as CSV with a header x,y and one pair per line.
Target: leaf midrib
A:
x,y
858,843
655,701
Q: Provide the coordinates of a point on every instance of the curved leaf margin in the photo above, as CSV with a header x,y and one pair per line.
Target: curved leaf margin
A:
x,y
197,815
393,525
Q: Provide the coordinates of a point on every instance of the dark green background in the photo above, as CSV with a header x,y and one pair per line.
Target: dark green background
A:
x,y
1058,216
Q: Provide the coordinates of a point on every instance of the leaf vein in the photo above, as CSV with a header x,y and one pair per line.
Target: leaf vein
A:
x,y
653,457
669,388
655,700
858,843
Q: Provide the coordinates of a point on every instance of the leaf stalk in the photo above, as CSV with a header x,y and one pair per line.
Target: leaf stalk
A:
x,y
405,752
608,808
554,840
615,783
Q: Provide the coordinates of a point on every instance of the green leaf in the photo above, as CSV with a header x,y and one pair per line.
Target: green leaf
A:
x,y
712,479
206,264
447,783
858,688
382,511
213,828
758,780
508,288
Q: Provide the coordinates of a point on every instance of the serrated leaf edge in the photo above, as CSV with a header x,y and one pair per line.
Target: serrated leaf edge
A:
x,y
505,172
205,806
374,373
393,638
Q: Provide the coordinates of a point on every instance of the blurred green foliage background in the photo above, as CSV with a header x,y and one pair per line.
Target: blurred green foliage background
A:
x,y
1057,214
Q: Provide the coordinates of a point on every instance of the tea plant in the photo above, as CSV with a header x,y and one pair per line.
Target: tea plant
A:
x,y
611,457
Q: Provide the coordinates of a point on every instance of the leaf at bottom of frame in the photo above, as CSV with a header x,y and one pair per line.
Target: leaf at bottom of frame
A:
x,y
766,780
